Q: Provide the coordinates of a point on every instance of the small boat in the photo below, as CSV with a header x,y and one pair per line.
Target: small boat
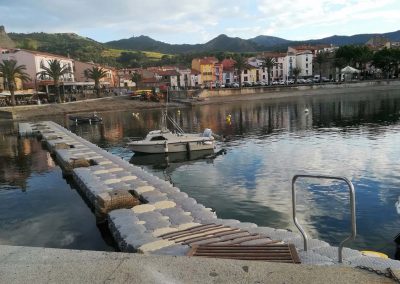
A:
x,y
165,141
94,118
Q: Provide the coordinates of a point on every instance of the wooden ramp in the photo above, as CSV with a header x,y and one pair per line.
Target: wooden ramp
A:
x,y
219,241
273,253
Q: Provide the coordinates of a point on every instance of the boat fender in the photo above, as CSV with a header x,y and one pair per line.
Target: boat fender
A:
x,y
397,204
166,147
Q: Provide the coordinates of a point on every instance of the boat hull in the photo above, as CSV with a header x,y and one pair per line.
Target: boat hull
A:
x,y
172,147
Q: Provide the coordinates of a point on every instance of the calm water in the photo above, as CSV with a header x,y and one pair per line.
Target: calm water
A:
x,y
267,143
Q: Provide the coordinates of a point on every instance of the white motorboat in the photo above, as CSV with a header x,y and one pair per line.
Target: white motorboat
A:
x,y
165,141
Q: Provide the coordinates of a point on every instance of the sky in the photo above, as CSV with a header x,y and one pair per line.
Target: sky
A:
x,y
190,21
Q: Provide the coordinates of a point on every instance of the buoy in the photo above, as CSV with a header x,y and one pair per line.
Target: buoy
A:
x,y
135,114
306,110
179,112
228,119
374,254
397,204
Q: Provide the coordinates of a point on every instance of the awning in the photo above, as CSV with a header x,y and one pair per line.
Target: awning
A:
x,y
349,69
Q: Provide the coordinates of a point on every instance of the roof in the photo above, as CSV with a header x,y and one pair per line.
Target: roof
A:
x,y
34,52
273,54
167,73
194,72
228,63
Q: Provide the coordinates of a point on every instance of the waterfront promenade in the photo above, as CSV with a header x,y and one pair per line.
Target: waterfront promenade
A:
x,y
105,179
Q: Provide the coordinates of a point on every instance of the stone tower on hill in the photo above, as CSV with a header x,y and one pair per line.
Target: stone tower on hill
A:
x,y
5,40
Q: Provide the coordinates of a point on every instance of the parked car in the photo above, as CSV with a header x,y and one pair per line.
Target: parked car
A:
x,y
290,81
282,82
235,85
275,82
301,81
246,84
308,81
228,85
324,79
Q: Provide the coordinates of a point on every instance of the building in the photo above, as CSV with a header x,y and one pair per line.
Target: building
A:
x,y
34,60
210,69
79,72
228,72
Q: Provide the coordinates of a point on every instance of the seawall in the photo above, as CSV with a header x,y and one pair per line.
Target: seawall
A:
x,y
271,91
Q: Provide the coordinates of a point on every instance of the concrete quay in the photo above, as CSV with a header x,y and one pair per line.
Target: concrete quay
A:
x,y
110,183
47,265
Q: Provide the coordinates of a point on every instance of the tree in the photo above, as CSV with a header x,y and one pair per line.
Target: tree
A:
x,y
10,71
240,65
96,74
268,63
339,63
55,71
320,59
296,72
136,77
385,59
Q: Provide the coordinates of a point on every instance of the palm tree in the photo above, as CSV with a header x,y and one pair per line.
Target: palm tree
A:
x,y
320,59
55,71
10,71
296,72
268,63
240,65
96,74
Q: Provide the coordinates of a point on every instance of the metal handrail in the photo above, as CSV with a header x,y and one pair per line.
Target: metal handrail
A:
x,y
352,205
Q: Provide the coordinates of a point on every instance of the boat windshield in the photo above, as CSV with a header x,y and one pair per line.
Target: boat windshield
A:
x,y
158,138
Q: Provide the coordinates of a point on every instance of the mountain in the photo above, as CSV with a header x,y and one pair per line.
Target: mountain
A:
x,y
220,43
354,39
269,41
146,43
230,44
5,40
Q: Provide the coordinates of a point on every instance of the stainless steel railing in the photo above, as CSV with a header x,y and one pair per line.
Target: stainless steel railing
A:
x,y
352,206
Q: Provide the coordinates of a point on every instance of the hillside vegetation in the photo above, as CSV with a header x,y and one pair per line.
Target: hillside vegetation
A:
x,y
80,48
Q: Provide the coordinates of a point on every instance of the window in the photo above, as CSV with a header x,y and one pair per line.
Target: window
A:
x,y
263,76
306,65
245,71
158,138
307,72
245,78
306,58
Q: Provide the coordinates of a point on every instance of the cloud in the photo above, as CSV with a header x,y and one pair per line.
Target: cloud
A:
x,y
182,21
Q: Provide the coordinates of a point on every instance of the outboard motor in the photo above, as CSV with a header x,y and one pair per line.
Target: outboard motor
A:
x,y
207,133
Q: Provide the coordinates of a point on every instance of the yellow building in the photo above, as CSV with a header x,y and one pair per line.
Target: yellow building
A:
x,y
206,67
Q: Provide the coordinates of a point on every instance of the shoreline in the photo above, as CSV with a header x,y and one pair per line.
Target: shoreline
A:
x,y
124,103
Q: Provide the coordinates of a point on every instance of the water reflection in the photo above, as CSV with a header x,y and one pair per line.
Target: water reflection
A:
x,y
39,208
268,142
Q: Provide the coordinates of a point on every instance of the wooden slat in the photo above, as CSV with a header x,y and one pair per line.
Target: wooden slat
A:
x,y
276,253
171,234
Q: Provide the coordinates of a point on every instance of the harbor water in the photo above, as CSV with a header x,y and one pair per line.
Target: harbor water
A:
x,y
266,143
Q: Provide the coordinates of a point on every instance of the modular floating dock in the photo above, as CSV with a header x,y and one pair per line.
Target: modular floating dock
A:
x,y
150,216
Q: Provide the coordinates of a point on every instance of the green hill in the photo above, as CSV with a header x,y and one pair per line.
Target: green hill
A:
x,y
83,49
5,40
